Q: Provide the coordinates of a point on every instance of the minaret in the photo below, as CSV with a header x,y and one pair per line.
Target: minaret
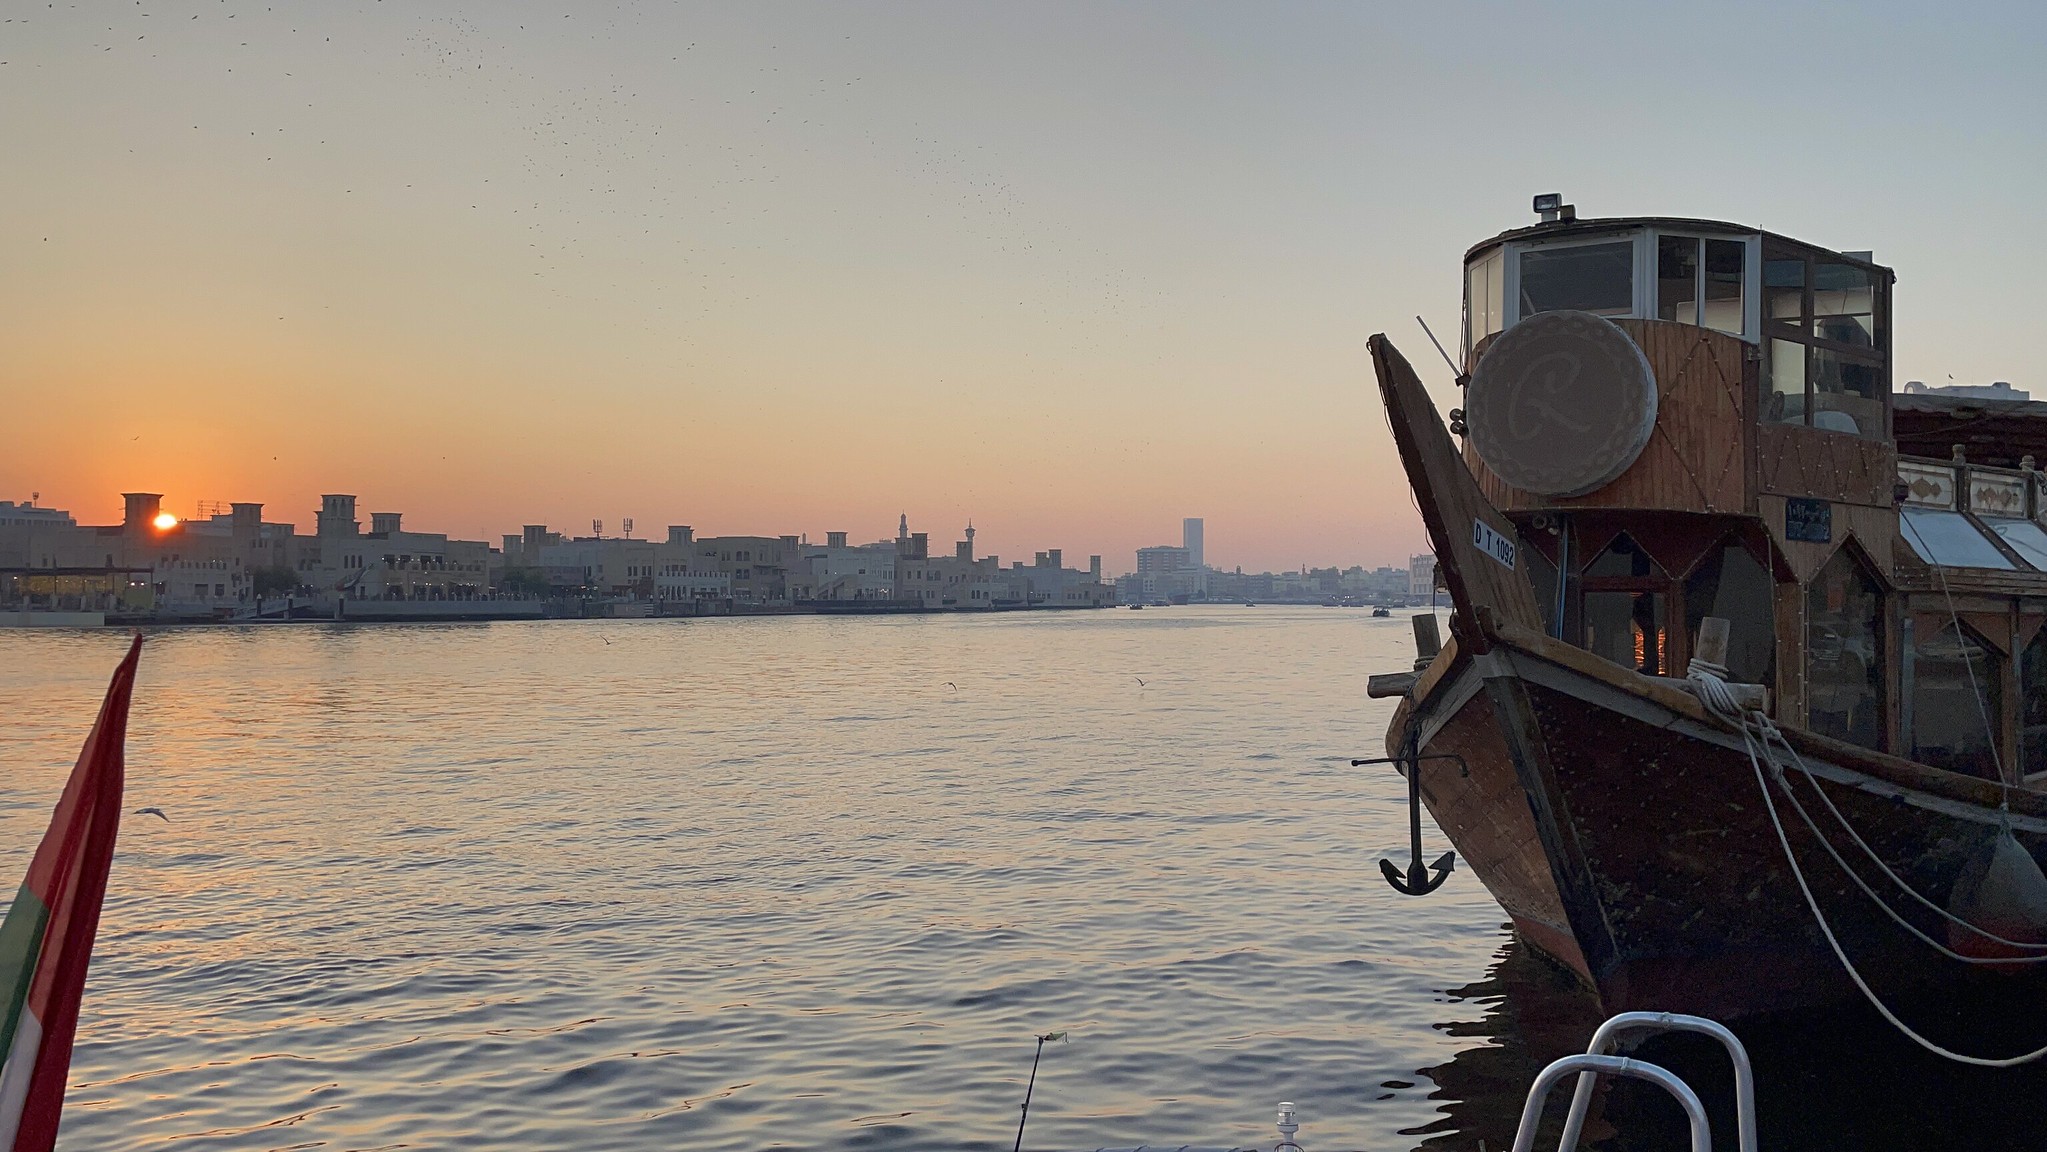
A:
x,y
903,527
970,539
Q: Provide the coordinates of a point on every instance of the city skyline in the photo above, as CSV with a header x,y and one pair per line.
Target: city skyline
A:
x,y
1068,271
637,528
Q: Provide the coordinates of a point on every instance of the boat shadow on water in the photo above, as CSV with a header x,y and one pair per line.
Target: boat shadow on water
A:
x,y
1899,1098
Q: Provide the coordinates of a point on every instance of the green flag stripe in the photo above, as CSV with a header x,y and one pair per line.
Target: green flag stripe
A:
x,y
21,940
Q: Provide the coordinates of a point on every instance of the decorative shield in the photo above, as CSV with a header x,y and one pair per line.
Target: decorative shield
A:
x,y
1561,404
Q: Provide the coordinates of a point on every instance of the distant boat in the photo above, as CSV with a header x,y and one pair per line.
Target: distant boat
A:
x,y
1137,607
1382,611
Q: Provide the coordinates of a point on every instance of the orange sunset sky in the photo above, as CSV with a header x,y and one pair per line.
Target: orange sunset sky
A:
x,y
1074,272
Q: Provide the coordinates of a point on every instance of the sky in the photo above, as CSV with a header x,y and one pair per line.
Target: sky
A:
x,y
1072,272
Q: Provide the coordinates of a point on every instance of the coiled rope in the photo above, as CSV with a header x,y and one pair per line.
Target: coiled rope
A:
x,y
1761,737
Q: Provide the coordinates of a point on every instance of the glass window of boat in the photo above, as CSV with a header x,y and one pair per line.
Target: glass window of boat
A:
x,y
2033,705
1844,652
1484,296
1948,539
1733,585
1623,607
1783,284
1698,281
1598,278
1957,697
1847,392
1784,383
1844,304
2023,536
1677,279
1720,305
1628,629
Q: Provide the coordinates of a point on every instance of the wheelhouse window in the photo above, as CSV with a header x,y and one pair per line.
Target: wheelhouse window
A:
x,y
1957,698
1698,281
1598,278
1828,349
1844,653
1485,289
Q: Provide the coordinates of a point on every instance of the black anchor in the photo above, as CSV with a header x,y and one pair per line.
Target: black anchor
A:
x,y
1418,881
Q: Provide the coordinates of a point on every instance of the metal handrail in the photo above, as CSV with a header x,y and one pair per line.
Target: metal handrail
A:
x,y
1605,1038
1589,1064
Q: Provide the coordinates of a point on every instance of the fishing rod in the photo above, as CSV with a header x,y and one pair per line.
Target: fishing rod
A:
x,y
1020,1121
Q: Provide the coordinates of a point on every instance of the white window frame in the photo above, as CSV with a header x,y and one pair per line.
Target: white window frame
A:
x,y
1644,257
1751,280
1645,285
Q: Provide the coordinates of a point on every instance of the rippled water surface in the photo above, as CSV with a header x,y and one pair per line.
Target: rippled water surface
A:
x,y
798,882
746,883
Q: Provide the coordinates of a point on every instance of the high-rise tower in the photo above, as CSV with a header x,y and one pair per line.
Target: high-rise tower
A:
x,y
1190,539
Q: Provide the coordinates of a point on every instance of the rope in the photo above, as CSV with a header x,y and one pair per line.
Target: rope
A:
x,y
1894,878
1756,730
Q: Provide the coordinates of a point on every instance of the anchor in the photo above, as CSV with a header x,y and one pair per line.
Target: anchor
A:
x,y
1418,881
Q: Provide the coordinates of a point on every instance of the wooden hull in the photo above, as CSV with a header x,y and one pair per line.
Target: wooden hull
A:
x,y
1626,835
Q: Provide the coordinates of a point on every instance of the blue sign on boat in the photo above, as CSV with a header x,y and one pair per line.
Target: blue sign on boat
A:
x,y
1809,520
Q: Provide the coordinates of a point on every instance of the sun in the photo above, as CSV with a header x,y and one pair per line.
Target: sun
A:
x,y
165,521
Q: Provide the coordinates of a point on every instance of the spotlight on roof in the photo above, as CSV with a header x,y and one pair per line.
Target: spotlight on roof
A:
x,y
1551,207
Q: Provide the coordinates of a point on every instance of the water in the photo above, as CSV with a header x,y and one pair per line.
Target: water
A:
x,y
735,884
730,884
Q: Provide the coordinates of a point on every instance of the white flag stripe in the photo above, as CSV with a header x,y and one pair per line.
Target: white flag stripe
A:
x,y
15,1074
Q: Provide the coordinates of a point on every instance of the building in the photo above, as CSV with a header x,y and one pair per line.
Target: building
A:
x,y
757,567
1995,390
839,571
1190,539
1047,583
343,562
1421,575
1163,558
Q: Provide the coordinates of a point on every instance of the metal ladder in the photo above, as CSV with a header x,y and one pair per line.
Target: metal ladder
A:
x,y
1597,1059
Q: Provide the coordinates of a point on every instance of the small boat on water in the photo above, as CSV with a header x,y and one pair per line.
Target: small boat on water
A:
x,y
1679,463
1381,612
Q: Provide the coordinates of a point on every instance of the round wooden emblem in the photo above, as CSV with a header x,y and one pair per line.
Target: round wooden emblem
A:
x,y
1561,404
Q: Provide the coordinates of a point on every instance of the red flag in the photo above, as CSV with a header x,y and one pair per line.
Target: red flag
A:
x,y
46,940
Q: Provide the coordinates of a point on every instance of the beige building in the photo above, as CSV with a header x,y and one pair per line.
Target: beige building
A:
x,y
760,569
388,563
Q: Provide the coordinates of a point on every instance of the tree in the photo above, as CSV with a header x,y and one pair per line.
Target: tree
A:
x,y
276,580
524,582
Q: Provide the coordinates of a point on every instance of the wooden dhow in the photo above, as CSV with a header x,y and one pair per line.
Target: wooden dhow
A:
x,y
1672,421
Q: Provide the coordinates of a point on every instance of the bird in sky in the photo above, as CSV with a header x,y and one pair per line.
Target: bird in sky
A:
x,y
156,812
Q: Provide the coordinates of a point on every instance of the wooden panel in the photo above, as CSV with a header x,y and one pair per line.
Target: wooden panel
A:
x,y
1914,575
1696,457
1452,506
1790,654
1792,460
1876,529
